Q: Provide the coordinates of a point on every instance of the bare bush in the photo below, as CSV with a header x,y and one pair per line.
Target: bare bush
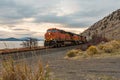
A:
x,y
30,42
73,53
92,50
109,47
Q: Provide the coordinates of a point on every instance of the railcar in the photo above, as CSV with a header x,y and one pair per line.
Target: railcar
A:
x,y
57,38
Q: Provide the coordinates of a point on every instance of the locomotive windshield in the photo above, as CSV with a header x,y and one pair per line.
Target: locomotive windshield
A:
x,y
52,30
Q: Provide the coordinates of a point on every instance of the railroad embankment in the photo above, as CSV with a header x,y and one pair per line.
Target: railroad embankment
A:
x,y
18,50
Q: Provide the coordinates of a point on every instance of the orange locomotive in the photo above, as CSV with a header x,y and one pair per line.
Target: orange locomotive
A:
x,y
57,38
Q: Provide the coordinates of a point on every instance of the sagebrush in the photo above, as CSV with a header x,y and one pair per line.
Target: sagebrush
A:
x,y
92,50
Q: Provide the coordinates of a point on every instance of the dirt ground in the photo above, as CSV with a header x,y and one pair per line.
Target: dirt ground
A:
x,y
64,69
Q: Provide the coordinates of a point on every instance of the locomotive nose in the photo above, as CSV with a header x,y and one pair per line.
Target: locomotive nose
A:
x,y
49,36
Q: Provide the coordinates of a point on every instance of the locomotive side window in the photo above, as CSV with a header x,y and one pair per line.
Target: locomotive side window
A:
x,y
48,30
52,31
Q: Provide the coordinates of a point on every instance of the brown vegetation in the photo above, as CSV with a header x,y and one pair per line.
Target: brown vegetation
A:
x,y
92,50
112,47
73,53
109,47
22,71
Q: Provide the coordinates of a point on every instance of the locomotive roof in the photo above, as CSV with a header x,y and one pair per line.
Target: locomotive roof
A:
x,y
63,31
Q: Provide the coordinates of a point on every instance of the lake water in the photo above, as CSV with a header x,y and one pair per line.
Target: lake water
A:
x,y
15,44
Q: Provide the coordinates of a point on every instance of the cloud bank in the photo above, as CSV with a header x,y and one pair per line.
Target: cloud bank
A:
x,y
22,18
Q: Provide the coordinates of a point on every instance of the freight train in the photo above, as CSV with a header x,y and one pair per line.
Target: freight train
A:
x,y
57,38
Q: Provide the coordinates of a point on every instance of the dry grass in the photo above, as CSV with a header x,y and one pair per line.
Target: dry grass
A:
x,y
22,71
115,44
101,50
73,53
112,47
118,41
92,50
109,47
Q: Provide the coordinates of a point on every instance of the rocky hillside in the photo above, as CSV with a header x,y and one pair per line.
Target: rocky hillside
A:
x,y
108,27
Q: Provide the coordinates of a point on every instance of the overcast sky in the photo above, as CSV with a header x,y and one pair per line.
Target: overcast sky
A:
x,y
31,18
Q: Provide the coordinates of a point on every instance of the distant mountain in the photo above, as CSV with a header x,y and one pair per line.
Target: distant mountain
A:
x,y
108,27
13,39
17,39
10,39
26,38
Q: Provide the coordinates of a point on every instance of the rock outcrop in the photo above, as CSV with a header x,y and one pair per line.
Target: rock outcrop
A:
x,y
108,27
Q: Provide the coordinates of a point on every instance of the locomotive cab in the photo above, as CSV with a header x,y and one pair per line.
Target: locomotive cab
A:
x,y
52,37
51,34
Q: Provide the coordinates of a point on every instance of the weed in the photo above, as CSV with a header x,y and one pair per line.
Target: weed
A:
x,y
109,47
115,44
73,53
92,50
22,71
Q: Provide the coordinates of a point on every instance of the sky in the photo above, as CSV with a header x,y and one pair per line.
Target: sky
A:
x,y
31,18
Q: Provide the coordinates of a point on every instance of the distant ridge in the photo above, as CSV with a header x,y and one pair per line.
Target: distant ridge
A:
x,y
108,27
10,39
17,39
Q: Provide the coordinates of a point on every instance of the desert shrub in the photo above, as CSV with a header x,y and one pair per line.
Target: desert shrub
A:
x,y
115,44
100,46
118,41
12,71
73,53
108,48
80,52
92,50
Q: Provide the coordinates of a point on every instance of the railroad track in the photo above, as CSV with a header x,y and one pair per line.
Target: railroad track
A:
x,y
16,50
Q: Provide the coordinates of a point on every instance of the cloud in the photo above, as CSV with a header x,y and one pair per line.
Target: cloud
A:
x,y
66,7
34,17
20,29
54,11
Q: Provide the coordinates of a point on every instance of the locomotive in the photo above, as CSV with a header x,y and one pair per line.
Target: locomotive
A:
x,y
57,38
